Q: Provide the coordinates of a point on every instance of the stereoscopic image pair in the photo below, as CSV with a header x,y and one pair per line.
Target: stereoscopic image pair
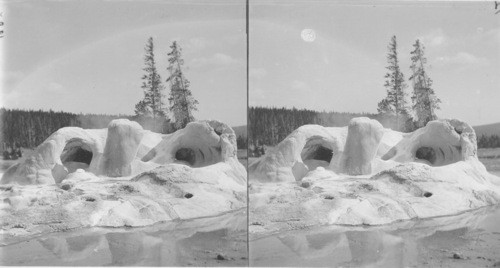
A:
x,y
250,133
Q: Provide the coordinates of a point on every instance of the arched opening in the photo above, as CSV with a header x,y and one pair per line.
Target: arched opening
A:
x,y
198,157
186,155
317,152
438,155
320,153
76,155
426,153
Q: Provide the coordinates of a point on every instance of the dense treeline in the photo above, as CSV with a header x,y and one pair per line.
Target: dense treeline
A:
x,y
269,126
21,128
241,142
492,141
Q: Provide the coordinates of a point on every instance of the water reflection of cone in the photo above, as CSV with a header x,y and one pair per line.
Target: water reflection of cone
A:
x,y
134,249
375,247
72,248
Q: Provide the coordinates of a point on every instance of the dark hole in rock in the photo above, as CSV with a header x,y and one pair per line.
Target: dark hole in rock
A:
x,y
187,155
217,132
89,199
19,225
321,153
80,155
66,187
426,153
188,195
329,197
76,155
459,131
427,194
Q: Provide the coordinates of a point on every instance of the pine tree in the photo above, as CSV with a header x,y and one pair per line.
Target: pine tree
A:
x,y
182,103
152,104
142,108
424,99
395,101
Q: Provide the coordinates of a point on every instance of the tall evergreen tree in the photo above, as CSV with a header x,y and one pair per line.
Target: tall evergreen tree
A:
x,y
182,103
424,99
152,104
395,101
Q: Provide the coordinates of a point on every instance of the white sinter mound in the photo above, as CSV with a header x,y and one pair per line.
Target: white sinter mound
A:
x,y
365,174
123,176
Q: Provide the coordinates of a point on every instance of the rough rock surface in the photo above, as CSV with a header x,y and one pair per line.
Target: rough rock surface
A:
x,y
433,171
296,155
67,181
121,147
363,138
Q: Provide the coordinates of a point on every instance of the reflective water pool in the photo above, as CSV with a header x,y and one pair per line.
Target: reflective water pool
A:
x,y
471,239
216,241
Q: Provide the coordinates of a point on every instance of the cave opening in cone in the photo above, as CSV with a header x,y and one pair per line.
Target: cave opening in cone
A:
x,y
320,153
186,155
426,153
76,155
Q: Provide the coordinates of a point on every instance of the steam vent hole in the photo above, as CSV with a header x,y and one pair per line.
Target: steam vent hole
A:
x,y
186,155
426,153
76,155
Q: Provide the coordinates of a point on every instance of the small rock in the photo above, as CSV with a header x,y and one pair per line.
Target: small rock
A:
x,y
457,256
220,257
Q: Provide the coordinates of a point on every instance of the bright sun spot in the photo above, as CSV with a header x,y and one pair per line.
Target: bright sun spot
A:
x,y
308,35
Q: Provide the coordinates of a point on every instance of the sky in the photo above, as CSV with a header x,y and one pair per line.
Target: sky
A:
x,y
87,56
342,68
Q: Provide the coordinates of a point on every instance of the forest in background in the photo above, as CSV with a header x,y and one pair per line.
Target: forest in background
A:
x,y
266,126
28,129
269,126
